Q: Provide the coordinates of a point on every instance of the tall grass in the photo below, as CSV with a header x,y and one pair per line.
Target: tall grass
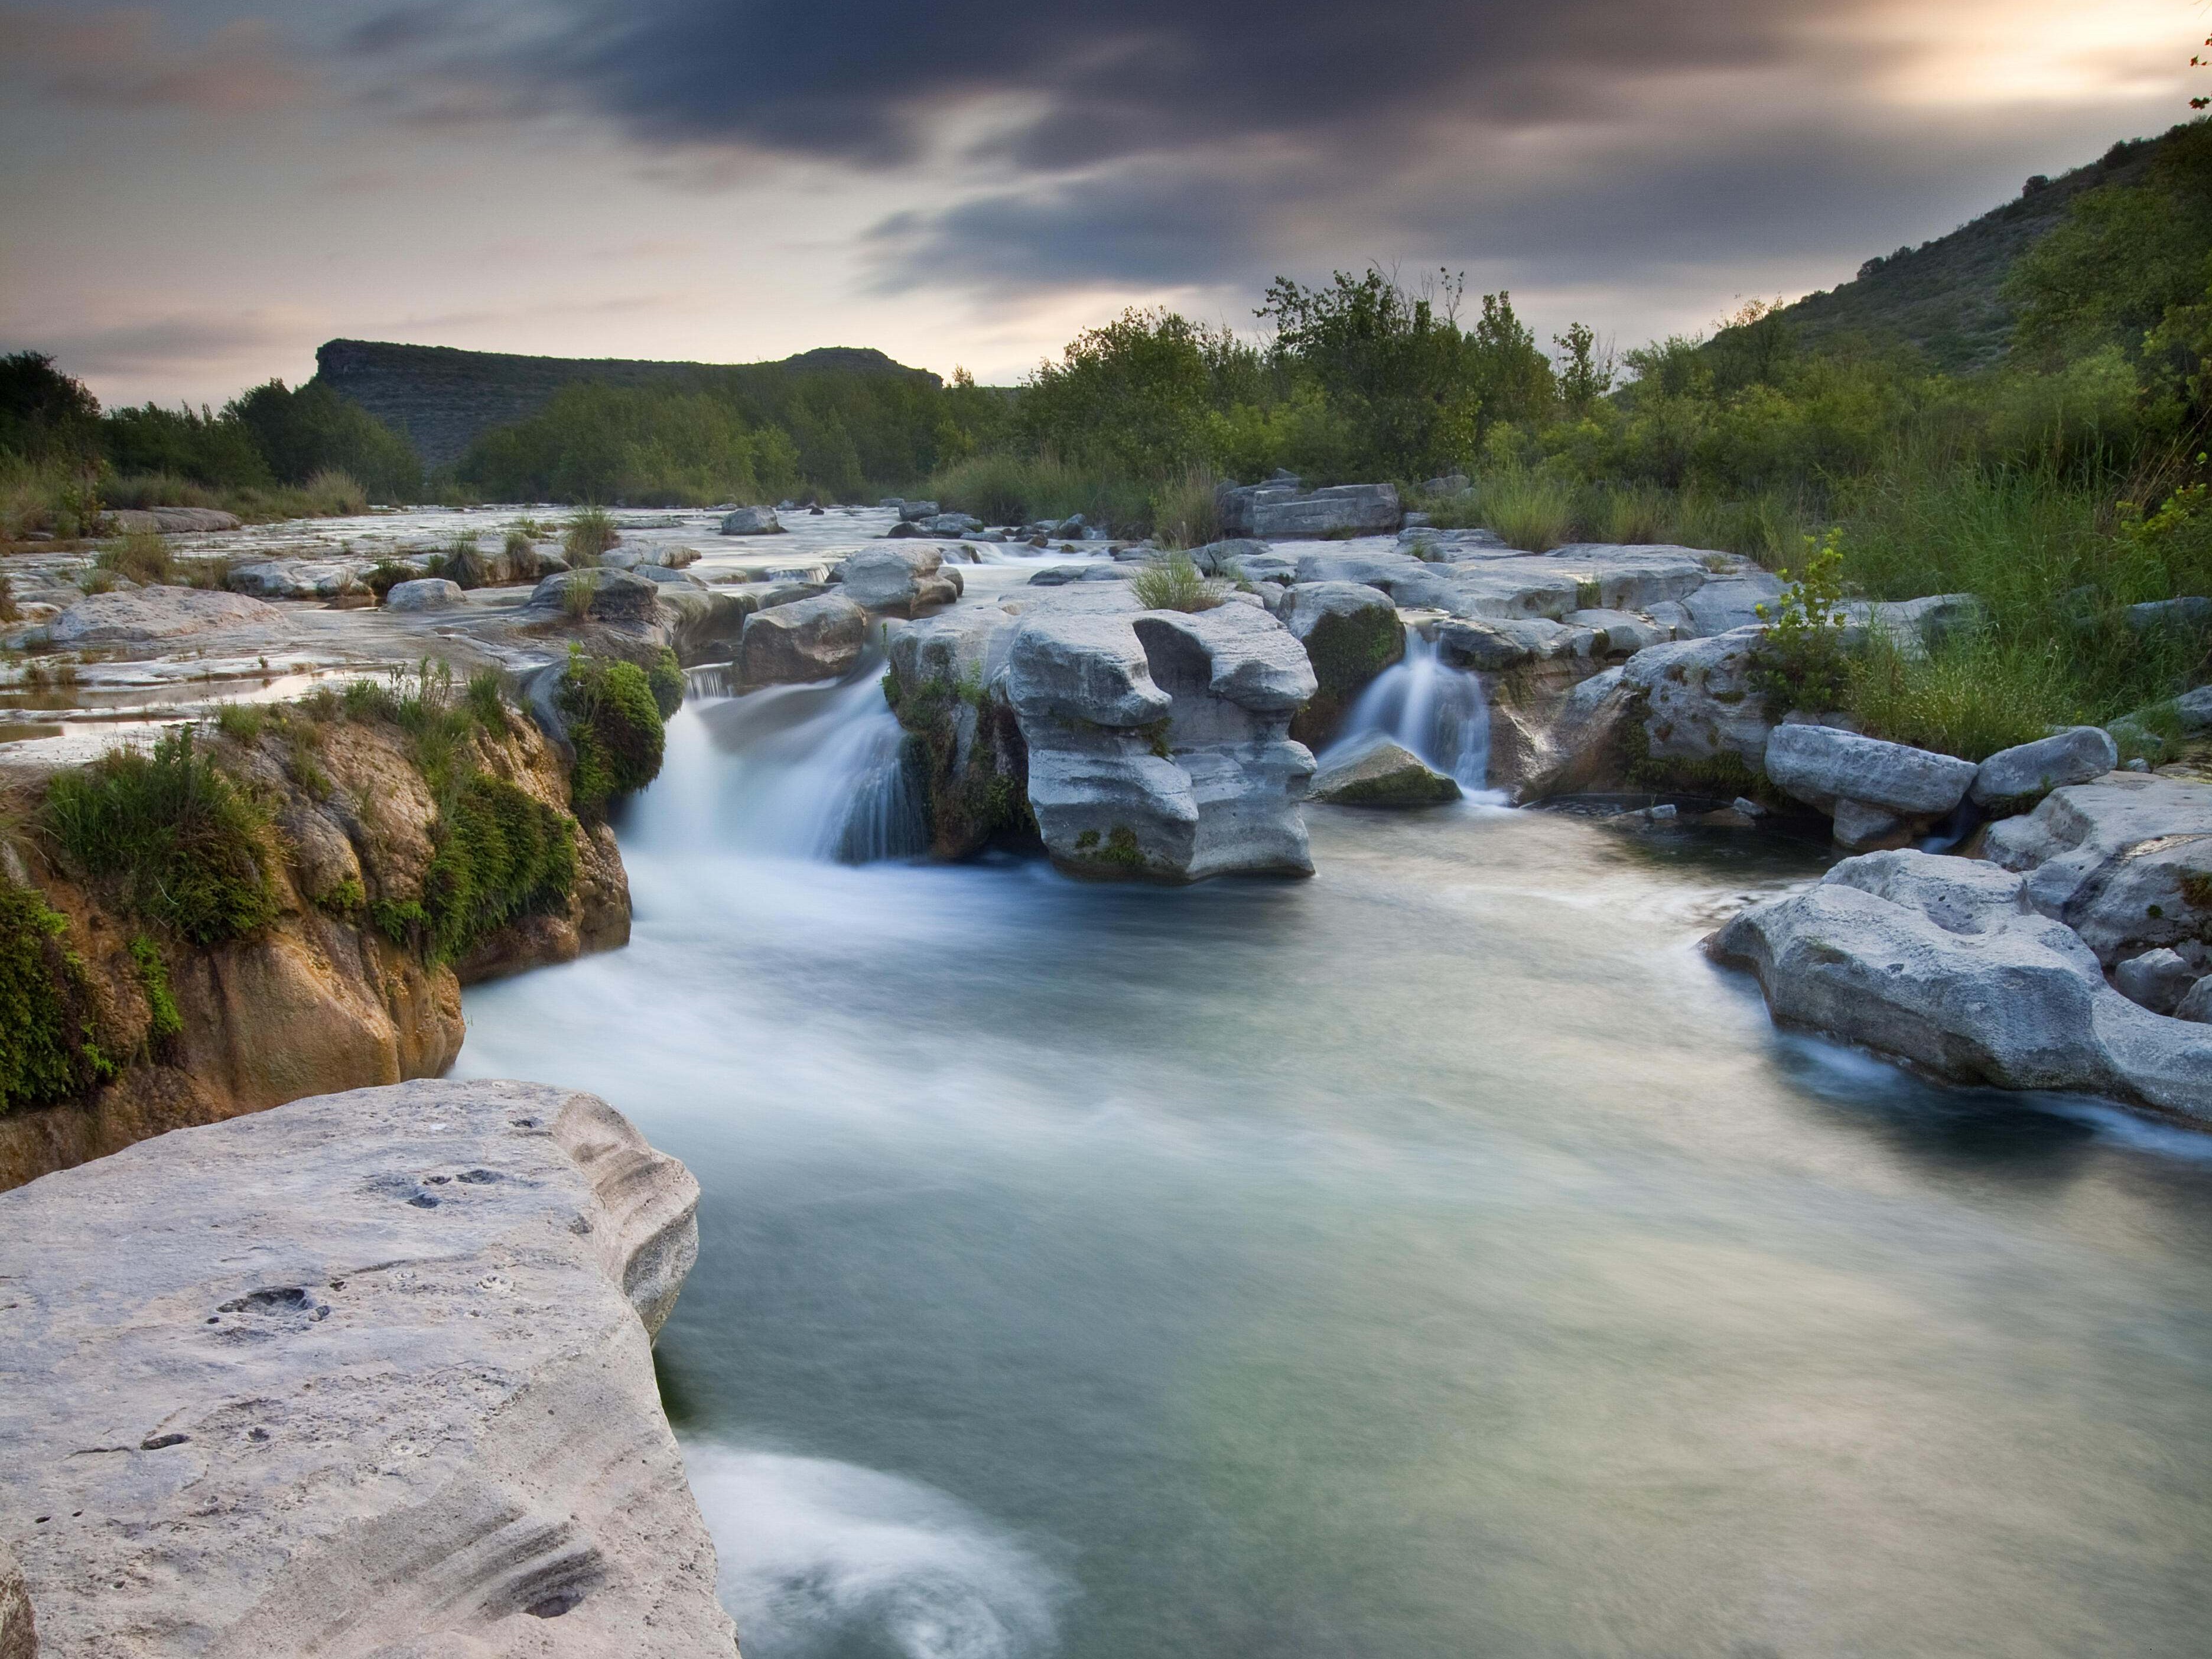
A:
x,y
1530,510
48,496
1174,582
1023,488
589,535
143,556
1186,512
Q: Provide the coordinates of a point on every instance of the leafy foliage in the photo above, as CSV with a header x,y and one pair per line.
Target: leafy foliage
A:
x,y
48,1023
1800,663
615,726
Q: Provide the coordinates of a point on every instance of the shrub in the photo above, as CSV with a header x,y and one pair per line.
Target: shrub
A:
x,y
1174,582
590,533
1968,696
142,555
521,550
184,845
666,678
47,1020
500,854
386,575
1530,510
1799,662
615,727
1186,512
241,722
461,563
486,701
335,493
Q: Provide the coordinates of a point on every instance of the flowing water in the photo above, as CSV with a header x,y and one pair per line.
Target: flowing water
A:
x,y
1435,1258
1436,712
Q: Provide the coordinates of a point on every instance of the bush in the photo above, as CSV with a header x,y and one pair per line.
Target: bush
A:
x,y
500,854
1531,511
47,1020
615,726
461,563
520,548
1174,582
386,575
1799,662
590,533
181,842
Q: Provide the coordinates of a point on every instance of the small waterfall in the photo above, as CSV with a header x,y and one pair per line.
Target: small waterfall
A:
x,y
804,771
1437,711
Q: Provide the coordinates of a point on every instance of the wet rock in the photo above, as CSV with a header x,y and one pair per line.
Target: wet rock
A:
x,y
428,594
1383,776
1699,704
375,1363
1351,633
147,615
752,521
950,523
2157,980
1859,827
1821,765
817,639
1945,964
2125,861
2027,772
900,581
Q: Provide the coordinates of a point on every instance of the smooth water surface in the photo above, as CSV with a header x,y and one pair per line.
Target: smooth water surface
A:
x,y
1434,1258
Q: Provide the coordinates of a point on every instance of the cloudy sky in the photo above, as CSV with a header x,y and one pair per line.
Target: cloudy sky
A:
x,y
198,193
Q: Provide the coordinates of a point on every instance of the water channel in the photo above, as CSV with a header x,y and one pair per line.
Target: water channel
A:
x,y
1434,1258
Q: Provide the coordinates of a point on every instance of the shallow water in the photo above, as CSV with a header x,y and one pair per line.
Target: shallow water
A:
x,y
1434,1258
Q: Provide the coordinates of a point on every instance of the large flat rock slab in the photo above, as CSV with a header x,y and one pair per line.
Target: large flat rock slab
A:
x,y
368,1374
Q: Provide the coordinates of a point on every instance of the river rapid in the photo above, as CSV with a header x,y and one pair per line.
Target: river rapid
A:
x,y
1436,1257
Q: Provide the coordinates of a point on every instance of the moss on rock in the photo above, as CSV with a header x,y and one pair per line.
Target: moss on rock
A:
x,y
615,726
48,1022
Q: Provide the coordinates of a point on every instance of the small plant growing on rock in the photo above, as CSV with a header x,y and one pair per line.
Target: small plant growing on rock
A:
x,y
501,854
520,548
615,727
461,563
143,556
48,1022
386,575
1800,662
591,533
1174,582
576,595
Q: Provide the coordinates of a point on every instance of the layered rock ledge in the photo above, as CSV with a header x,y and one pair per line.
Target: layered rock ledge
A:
x,y
368,1374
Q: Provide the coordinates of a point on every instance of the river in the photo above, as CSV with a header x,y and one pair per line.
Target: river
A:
x,y
1434,1258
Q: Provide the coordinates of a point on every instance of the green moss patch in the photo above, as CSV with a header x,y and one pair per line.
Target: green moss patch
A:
x,y
48,1023
500,854
615,726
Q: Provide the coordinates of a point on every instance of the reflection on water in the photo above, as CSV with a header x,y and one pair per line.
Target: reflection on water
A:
x,y
1435,1258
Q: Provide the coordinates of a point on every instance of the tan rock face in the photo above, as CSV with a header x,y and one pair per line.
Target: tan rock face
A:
x,y
366,1374
321,1000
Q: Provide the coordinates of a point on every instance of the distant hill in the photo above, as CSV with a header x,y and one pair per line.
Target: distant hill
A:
x,y
1942,296
441,398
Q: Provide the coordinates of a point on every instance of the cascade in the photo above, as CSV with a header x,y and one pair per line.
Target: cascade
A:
x,y
1424,705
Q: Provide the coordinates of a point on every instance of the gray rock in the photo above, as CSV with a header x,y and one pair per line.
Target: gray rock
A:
x,y
427,593
2125,861
169,520
916,512
1820,764
1452,483
752,521
1698,701
1385,775
367,1373
2157,980
2190,612
653,556
620,597
1618,633
816,638
1351,633
2196,1006
1340,509
305,579
2029,771
951,524
1943,963
1859,828
900,581
1722,605
147,615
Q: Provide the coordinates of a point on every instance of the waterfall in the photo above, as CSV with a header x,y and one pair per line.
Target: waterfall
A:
x,y
1437,711
798,771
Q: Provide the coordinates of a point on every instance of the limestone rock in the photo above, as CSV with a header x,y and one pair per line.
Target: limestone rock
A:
x,y
1821,765
1698,699
170,520
620,597
817,639
2196,1006
2157,980
2193,611
1859,827
2028,771
752,521
1383,775
1618,633
429,593
149,613
914,512
900,581
1351,633
2125,861
374,1377
19,1630
1943,963
1279,511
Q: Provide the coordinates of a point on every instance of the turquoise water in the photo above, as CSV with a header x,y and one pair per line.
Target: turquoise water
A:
x,y
1435,1258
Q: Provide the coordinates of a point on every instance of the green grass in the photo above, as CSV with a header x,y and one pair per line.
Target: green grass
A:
x,y
1186,512
501,854
1530,510
1174,582
461,562
590,534
164,1020
48,1023
1024,489
179,842
143,556
615,726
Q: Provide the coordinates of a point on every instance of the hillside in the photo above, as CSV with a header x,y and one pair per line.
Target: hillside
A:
x,y
1943,296
441,398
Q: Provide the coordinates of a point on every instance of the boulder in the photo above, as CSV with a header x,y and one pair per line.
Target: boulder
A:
x,y
1914,624
2157,980
900,581
1351,633
951,524
816,638
752,521
1339,510
2191,612
304,579
367,1373
1618,633
1722,605
168,520
1253,561
2024,773
1943,963
1699,702
1821,765
1383,774
651,557
428,594
1861,828
147,615
621,597
2196,1006
2125,861
914,512
1158,741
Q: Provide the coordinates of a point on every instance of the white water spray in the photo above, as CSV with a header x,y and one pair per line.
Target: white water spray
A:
x,y
1421,704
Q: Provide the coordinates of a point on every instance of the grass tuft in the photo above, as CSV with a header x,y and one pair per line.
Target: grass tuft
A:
x,y
590,534
1174,582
